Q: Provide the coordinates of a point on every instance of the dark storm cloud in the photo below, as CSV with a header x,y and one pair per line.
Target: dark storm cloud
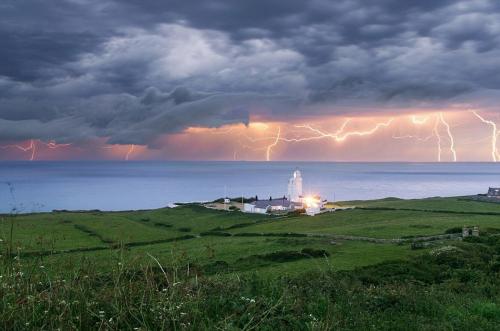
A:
x,y
131,70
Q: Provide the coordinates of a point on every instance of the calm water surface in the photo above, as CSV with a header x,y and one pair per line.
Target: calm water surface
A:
x,y
44,186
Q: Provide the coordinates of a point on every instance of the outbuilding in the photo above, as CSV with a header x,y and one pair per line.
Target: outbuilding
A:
x,y
265,206
494,192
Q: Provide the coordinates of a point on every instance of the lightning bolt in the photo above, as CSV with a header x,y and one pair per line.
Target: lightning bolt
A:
x,y
52,145
129,152
269,148
33,148
439,120
419,120
409,136
494,135
435,130
450,136
339,136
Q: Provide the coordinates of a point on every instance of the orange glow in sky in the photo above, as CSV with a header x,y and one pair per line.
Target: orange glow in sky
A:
x,y
431,136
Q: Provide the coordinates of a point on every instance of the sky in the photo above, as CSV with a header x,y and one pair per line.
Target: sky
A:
x,y
266,80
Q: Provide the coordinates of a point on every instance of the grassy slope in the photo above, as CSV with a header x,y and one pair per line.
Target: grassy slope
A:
x,y
378,224
204,251
97,278
458,204
62,231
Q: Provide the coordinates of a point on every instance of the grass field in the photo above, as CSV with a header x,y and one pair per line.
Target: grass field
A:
x,y
212,246
203,236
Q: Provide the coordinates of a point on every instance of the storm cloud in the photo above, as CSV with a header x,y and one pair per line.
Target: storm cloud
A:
x,y
131,71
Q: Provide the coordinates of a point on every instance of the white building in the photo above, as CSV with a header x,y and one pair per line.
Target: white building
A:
x,y
295,187
252,208
265,206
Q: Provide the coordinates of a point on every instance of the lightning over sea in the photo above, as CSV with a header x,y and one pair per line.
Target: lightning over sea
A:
x,y
432,136
412,155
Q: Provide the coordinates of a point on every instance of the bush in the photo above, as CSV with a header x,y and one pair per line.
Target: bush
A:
x,y
315,252
417,245
184,229
453,230
420,226
287,234
239,225
476,240
282,256
165,225
296,212
245,200
288,256
216,233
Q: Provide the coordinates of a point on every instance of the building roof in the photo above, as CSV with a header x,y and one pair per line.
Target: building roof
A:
x,y
272,203
494,191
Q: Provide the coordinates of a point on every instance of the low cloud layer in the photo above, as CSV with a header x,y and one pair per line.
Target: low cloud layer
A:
x,y
131,71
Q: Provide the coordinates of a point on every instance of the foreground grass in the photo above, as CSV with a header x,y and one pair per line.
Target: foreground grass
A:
x,y
453,287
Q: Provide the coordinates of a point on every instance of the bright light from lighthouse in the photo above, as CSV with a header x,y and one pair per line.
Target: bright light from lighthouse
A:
x,y
310,201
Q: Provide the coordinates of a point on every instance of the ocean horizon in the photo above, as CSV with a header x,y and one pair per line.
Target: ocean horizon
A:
x,y
118,185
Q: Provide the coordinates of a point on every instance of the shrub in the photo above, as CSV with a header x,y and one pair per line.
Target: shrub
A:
x,y
315,252
456,229
287,234
288,256
420,226
239,225
296,212
282,256
248,234
216,233
417,245
492,231
476,240
165,225
184,229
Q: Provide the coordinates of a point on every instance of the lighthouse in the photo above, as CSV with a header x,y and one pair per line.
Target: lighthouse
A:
x,y
295,187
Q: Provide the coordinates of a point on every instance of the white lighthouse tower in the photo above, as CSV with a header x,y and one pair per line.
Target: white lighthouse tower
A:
x,y
295,187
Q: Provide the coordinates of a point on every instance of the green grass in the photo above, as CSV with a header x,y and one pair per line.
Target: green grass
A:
x,y
455,287
194,268
455,204
45,232
237,253
374,223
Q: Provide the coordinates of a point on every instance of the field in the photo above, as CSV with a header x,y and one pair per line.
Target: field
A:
x,y
194,256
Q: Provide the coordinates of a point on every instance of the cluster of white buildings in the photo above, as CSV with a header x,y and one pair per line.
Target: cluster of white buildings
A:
x,y
293,201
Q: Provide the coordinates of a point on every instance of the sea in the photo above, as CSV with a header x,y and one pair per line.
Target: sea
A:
x,y
84,185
